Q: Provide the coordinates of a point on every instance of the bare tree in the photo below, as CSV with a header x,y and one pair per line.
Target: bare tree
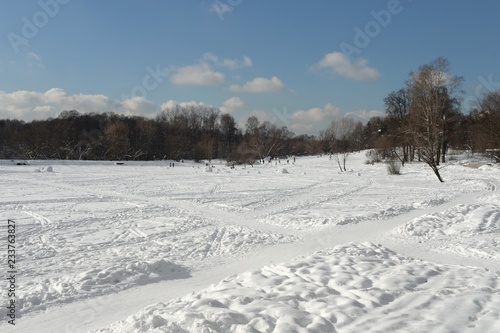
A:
x,y
190,124
228,133
397,105
490,110
327,139
489,122
341,139
266,139
252,126
433,94
116,139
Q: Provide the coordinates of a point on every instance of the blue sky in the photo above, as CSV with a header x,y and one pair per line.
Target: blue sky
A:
x,y
297,63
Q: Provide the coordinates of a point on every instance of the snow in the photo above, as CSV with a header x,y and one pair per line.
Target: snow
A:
x,y
96,282
143,247
346,289
467,229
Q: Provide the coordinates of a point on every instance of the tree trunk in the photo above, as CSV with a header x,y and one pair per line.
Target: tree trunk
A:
x,y
443,152
436,172
438,153
338,162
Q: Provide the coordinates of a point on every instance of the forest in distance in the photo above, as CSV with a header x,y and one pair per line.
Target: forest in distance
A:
x,y
423,120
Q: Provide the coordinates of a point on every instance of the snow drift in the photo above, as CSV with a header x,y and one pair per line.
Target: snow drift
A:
x,y
351,288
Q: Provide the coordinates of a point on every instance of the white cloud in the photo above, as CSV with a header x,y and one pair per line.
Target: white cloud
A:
x,y
170,104
202,73
54,95
197,75
220,8
34,59
211,57
260,114
316,115
42,109
234,64
232,105
312,120
138,105
309,121
263,116
338,63
228,63
30,105
259,85
364,115
247,62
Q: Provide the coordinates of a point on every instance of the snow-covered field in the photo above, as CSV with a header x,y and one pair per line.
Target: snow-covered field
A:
x,y
143,247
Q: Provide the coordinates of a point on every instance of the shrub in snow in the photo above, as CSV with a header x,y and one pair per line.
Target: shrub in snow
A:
x,y
373,156
393,167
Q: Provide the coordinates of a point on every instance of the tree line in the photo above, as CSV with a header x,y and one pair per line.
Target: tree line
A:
x,y
194,132
423,121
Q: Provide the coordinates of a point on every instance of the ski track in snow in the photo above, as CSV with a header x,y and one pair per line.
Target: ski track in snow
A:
x,y
94,236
